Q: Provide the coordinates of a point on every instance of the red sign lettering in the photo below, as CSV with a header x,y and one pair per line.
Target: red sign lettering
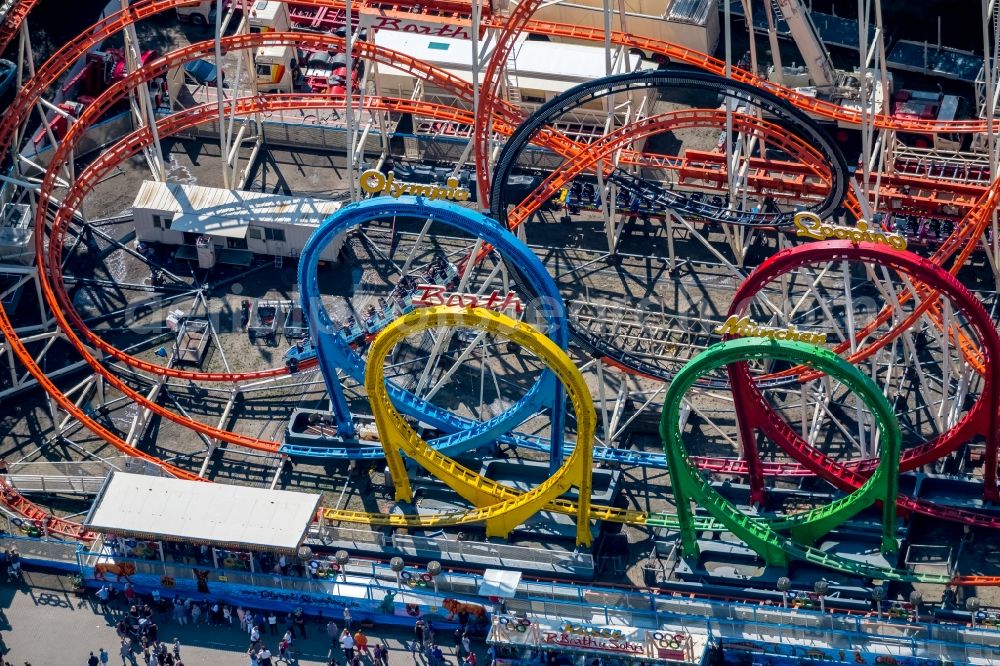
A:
x,y
427,295
416,27
592,642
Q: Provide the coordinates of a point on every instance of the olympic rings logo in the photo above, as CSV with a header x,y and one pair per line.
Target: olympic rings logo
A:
x,y
512,625
668,641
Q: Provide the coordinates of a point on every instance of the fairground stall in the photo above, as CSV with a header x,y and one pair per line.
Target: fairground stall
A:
x,y
245,546
524,641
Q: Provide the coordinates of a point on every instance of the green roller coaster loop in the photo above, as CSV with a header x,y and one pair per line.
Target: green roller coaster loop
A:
x,y
806,527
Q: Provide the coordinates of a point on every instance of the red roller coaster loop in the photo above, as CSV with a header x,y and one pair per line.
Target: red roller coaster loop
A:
x,y
754,413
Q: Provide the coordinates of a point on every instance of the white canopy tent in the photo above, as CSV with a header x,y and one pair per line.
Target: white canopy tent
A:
x,y
233,517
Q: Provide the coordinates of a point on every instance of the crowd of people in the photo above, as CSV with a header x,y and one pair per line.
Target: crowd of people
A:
x,y
139,634
271,635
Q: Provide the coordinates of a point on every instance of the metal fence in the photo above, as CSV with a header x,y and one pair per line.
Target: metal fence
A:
x,y
326,533
41,549
502,554
56,483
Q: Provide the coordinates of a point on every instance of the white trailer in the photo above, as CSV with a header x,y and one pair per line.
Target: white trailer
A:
x,y
275,69
233,225
269,16
536,71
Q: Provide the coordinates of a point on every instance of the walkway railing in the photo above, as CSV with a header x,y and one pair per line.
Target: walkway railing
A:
x,y
602,606
504,555
63,552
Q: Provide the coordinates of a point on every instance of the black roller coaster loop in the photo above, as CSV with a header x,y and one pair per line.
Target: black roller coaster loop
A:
x,y
775,109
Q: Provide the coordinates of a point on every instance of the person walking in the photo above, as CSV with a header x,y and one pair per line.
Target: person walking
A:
x,y
103,595
180,611
129,594
93,660
126,652
347,618
332,632
361,643
264,657
285,647
300,622
272,622
347,644
153,632
418,635
242,615
102,656
252,654
466,643
290,623
177,649
380,657
254,636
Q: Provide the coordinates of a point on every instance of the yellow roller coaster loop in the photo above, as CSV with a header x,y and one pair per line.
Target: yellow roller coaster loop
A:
x,y
500,507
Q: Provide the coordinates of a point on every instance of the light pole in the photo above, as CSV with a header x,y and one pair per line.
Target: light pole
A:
x,y
305,556
397,565
915,600
972,605
784,584
878,594
822,589
342,557
434,569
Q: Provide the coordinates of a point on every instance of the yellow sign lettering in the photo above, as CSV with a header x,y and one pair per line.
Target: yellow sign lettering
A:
x,y
374,182
809,225
744,328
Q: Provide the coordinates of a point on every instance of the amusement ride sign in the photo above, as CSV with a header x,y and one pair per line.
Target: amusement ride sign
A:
x,y
374,182
743,327
586,637
432,294
416,24
809,225
659,646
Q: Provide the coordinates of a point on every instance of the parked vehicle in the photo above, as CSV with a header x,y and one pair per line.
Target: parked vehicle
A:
x,y
202,72
197,13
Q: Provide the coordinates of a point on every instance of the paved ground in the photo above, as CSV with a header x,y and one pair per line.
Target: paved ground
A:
x,y
43,623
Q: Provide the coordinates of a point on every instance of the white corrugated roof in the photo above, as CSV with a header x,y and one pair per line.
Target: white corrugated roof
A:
x,y
549,66
227,227
225,208
167,508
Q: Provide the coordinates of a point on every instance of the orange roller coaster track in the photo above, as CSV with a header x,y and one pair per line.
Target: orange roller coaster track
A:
x,y
506,115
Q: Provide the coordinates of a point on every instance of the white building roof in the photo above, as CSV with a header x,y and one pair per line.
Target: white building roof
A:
x,y
227,227
222,209
281,53
155,507
549,66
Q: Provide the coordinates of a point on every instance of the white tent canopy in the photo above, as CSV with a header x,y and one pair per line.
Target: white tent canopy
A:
x,y
154,507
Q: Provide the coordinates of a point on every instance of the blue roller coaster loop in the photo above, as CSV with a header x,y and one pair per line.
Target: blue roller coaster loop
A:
x,y
335,354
